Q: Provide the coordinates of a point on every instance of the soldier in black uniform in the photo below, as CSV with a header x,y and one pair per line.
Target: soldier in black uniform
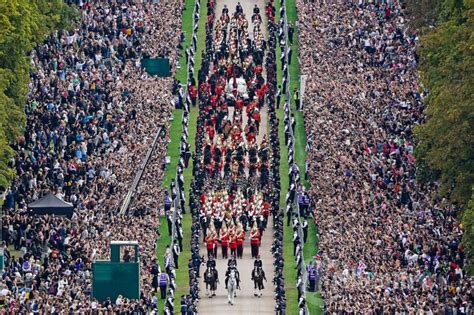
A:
x,y
184,305
237,276
232,262
238,9
211,263
257,262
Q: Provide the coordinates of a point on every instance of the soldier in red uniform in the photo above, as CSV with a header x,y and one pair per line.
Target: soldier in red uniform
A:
x,y
224,238
240,237
210,244
192,93
254,241
233,243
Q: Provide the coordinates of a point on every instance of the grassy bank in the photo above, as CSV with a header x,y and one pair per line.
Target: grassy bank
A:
x,y
289,271
187,28
182,278
314,300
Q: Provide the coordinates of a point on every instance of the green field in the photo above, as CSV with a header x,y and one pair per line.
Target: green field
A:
x,y
314,300
182,277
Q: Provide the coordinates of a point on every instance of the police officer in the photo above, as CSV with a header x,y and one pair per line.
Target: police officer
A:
x,y
278,97
168,202
197,261
163,284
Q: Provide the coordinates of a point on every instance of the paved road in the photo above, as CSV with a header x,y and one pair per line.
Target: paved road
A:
x,y
246,302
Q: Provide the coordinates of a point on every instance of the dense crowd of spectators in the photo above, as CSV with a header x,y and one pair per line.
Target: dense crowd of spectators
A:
x,y
91,115
386,245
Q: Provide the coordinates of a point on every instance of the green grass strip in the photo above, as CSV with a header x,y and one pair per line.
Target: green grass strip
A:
x,y
294,70
187,27
314,300
182,277
289,271
163,240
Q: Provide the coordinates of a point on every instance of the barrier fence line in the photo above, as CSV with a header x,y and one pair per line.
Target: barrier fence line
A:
x,y
291,142
138,176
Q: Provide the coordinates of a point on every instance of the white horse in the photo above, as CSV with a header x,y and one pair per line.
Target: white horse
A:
x,y
231,287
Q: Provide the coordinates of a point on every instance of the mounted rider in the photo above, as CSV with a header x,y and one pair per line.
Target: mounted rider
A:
x,y
258,265
211,263
232,262
257,262
237,275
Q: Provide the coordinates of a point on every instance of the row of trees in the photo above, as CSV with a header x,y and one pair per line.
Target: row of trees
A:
x,y
445,150
24,24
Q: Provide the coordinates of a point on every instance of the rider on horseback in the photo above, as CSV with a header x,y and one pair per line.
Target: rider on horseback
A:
x,y
258,275
257,262
237,275
232,262
211,263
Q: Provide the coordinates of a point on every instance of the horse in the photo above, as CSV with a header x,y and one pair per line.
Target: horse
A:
x,y
257,276
211,278
231,287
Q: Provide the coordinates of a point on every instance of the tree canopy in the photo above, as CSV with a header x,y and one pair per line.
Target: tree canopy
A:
x,y
445,151
446,142
25,23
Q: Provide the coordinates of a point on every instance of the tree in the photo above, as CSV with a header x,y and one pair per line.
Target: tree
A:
x,y
468,237
423,12
446,141
25,23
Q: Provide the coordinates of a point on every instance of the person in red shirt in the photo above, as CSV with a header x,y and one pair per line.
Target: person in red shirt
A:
x,y
239,104
233,242
214,100
256,117
209,244
219,89
192,93
254,240
251,138
240,237
224,238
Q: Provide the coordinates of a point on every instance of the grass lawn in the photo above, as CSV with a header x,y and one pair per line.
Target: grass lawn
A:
x,y
182,278
187,28
289,271
314,300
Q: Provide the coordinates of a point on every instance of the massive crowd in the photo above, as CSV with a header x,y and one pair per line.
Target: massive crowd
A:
x,y
91,114
386,245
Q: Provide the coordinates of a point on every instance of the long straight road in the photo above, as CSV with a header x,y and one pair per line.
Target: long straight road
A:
x,y
246,302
